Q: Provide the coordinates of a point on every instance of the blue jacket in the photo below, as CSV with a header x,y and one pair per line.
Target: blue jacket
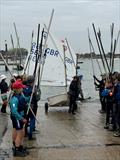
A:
x,y
18,105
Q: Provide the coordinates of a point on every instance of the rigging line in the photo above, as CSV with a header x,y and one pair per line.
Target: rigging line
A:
x,y
99,48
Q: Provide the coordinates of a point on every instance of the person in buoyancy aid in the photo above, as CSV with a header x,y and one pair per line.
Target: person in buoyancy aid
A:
x,y
18,104
100,84
117,101
14,78
108,94
34,105
73,94
4,89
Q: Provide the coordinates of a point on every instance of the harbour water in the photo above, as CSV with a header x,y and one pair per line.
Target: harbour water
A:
x,y
87,81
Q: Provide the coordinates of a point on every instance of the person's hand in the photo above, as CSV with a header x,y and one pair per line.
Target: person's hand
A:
x,y
24,121
93,76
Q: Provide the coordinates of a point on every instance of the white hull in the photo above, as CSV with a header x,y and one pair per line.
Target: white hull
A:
x,y
58,100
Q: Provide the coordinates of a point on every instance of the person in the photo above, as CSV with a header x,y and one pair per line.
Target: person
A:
x,y
18,103
15,77
34,105
4,89
73,94
117,107
108,93
100,84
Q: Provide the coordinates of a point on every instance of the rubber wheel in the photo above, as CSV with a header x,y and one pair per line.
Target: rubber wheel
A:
x,y
46,107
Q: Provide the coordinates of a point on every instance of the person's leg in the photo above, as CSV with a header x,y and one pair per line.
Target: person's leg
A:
x,y
74,105
117,134
18,135
70,104
107,115
14,135
31,127
4,105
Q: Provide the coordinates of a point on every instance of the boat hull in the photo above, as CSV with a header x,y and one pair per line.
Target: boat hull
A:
x,y
58,100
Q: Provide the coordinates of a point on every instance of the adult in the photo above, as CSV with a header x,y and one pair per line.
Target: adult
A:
x,y
73,94
100,84
4,89
31,118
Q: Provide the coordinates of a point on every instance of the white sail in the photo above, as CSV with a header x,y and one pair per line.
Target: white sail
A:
x,y
53,71
53,68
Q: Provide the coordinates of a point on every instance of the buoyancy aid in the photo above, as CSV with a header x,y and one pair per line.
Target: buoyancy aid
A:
x,y
22,104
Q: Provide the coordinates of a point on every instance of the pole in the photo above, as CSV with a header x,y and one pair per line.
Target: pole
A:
x,y
99,48
70,51
37,48
99,37
5,64
28,60
92,49
6,49
18,41
44,48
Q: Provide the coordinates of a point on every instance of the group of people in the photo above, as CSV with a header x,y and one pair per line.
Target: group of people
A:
x,y
109,92
23,101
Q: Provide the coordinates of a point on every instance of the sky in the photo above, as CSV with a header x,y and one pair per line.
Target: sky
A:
x,y
71,20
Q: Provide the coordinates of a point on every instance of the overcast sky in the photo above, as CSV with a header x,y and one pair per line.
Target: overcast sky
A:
x,y
71,19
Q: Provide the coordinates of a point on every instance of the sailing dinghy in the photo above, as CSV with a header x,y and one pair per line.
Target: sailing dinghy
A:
x,y
58,68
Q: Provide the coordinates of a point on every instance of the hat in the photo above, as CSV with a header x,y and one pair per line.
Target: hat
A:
x,y
18,85
2,77
15,74
75,77
104,76
30,79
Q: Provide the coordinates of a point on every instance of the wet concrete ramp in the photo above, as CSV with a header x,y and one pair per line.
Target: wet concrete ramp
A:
x,y
64,136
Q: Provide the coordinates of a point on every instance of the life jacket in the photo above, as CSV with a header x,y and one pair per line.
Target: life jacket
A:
x,y
22,104
105,92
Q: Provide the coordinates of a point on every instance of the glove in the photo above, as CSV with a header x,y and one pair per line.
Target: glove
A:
x,y
94,76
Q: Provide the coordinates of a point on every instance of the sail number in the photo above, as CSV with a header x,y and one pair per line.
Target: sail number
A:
x,y
52,52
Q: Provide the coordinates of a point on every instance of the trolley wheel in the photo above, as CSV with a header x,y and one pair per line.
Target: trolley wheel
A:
x,y
46,107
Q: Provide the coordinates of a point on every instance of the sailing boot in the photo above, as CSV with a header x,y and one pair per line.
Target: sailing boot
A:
x,y
24,150
18,152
